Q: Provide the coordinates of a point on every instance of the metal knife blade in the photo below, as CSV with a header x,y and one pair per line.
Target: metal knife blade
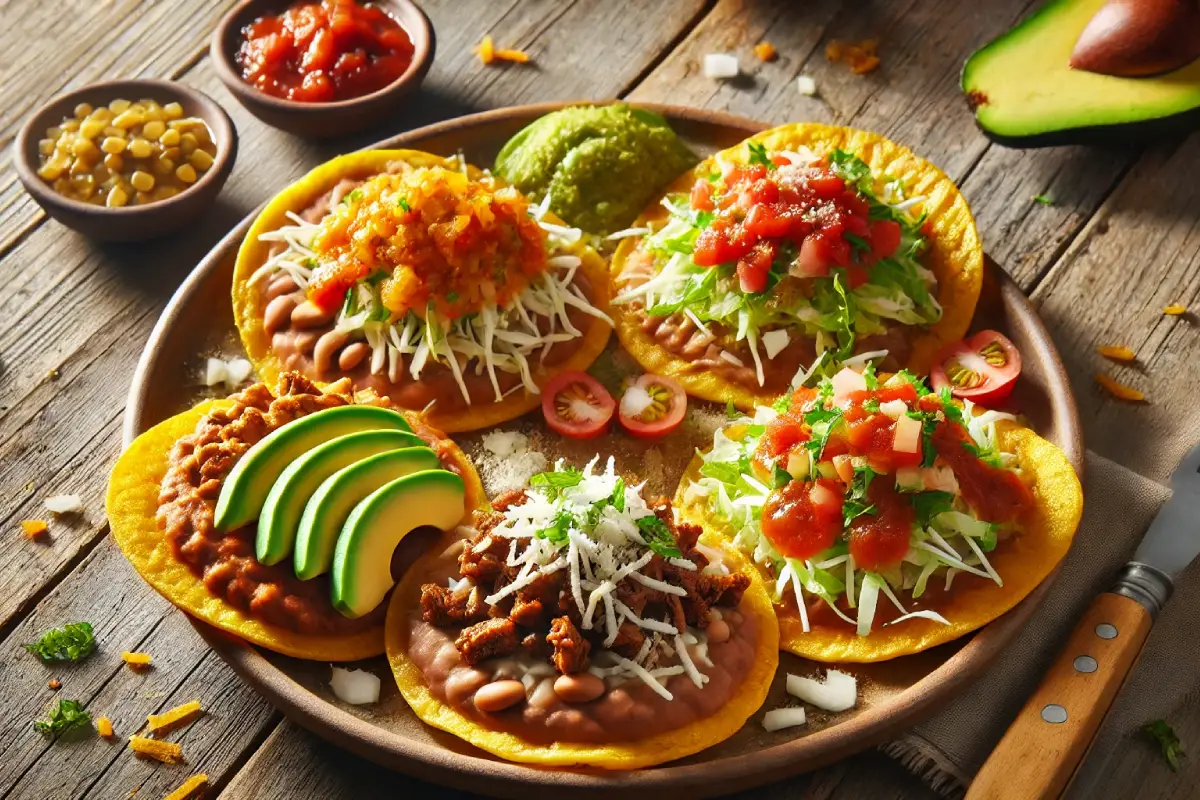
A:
x,y
1173,539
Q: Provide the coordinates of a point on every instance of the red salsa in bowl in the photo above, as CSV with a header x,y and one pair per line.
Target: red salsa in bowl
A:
x,y
324,52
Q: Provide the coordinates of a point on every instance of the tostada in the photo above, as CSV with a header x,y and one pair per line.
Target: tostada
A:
x,y
423,278
274,514
807,246
888,518
576,624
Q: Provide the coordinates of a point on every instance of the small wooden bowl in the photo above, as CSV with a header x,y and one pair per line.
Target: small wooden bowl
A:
x,y
127,223
320,120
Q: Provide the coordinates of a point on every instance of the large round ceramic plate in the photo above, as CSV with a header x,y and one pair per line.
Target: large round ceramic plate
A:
x,y
893,695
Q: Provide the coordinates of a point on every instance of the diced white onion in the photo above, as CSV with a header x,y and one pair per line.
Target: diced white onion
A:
x,y
64,504
839,692
806,85
779,718
907,435
721,66
846,382
893,408
215,371
774,342
732,359
355,686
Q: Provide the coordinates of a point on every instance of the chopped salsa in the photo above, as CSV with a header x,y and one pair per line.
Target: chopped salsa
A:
x,y
324,52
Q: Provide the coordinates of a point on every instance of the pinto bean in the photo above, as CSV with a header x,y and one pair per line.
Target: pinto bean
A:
x,y
352,356
326,347
305,341
582,687
499,695
278,313
462,683
283,284
310,315
718,631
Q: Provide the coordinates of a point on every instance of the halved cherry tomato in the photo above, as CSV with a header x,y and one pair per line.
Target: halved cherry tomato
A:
x,y
576,405
982,368
664,412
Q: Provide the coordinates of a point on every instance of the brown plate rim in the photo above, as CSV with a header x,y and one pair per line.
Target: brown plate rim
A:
x,y
460,770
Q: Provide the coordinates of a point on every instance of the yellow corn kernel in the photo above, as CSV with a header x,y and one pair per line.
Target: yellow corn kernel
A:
x,y
164,193
172,153
80,167
114,145
101,114
201,132
100,174
173,110
112,130
46,147
153,113
53,132
84,184
153,129
114,162
118,106
82,110
91,129
142,181
1175,310
169,137
164,166
70,125
200,160
50,171
140,148
86,149
128,119
143,198
188,143
186,173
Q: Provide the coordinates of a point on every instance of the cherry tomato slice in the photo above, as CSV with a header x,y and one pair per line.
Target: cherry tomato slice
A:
x,y
982,368
576,405
664,412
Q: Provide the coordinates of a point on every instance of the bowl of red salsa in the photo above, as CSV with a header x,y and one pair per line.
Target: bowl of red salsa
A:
x,y
322,67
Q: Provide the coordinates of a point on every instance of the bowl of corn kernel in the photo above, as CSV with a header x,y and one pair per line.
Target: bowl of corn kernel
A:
x,y
126,160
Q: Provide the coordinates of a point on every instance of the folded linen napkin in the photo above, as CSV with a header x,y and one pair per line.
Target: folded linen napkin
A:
x,y
947,750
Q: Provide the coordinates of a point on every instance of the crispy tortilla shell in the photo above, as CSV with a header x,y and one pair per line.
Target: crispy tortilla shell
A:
x,y
249,304
1023,560
658,749
955,255
132,503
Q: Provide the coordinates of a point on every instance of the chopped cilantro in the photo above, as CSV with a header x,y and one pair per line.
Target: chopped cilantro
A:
x,y
822,421
951,409
869,376
857,502
618,495
927,505
1160,731
72,642
872,405
858,242
852,170
658,536
731,411
557,531
916,382
555,482
703,219
352,196
67,715
404,206
845,318
781,476
758,155
1045,200
783,404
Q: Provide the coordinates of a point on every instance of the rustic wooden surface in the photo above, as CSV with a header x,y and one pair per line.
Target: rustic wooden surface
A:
x,y
1120,241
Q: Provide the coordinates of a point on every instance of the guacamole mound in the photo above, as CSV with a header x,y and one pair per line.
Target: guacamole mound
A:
x,y
600,165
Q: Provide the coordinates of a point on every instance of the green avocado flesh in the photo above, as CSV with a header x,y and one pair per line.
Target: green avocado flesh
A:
x,y
601,165
362,562
328,507
246,487
280,517
1024,92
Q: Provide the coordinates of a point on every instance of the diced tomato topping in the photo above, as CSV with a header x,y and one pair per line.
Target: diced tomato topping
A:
x,y
880,540
856,276
801,522
777,442
702,195
996,495
885,238
755,268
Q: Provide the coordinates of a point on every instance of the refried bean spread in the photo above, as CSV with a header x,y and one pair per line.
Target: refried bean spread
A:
x,y
225,561
612,625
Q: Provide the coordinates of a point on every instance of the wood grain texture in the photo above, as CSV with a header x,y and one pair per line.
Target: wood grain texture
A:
x,y
1039,753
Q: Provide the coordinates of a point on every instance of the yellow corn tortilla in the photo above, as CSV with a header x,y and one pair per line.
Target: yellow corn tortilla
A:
x,y
249,304
954,255
132,503
1023,560
691,738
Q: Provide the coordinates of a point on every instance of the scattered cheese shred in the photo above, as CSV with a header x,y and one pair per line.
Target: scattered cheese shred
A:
x,y
486,50
489,54
765,51
178,714
1117,353
1119,390
166,752
860,57
136,659
104,727
1175,310
34,528
188,787
513,55
64,504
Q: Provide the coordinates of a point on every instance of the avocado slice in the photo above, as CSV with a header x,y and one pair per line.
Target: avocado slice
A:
x,y
1025,93
329,506
280,517
245,488
362,561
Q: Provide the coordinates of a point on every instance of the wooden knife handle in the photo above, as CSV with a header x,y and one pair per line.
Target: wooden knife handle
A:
x,y
1049,738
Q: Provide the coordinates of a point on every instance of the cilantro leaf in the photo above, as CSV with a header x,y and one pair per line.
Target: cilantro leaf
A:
x,y
618,495
72,642
951,409
1160,731
556,481
916,382
845,318
404,206
783,404
781,476
857,242
822,421
1045,200
927,505
67,715
658,536
857,501
869,377
852,170
758,155
352,196
557,531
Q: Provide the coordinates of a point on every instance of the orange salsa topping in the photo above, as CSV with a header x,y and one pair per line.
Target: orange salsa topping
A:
x,y
430,239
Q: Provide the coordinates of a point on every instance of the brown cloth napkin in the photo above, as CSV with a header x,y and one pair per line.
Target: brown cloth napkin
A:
x,y
947,750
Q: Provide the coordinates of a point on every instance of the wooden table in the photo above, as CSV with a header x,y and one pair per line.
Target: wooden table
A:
x,y
1120,241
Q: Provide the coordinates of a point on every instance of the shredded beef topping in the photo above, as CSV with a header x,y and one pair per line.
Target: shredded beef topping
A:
x,y
570,648
490,639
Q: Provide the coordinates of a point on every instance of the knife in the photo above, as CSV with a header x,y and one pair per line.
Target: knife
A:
x,y
1048,740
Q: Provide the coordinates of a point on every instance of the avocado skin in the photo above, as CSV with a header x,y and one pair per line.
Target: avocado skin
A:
x,y
1075,13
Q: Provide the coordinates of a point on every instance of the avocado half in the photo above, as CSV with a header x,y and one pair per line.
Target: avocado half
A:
x,y
1025,93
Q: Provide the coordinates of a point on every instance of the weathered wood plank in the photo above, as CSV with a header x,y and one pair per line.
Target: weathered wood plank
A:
x,y
1140,253
71,48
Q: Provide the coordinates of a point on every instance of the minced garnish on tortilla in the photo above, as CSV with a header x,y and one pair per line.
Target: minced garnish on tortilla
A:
x,y
860,57
136,659
1117,353
33,528
1119,390
765,51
